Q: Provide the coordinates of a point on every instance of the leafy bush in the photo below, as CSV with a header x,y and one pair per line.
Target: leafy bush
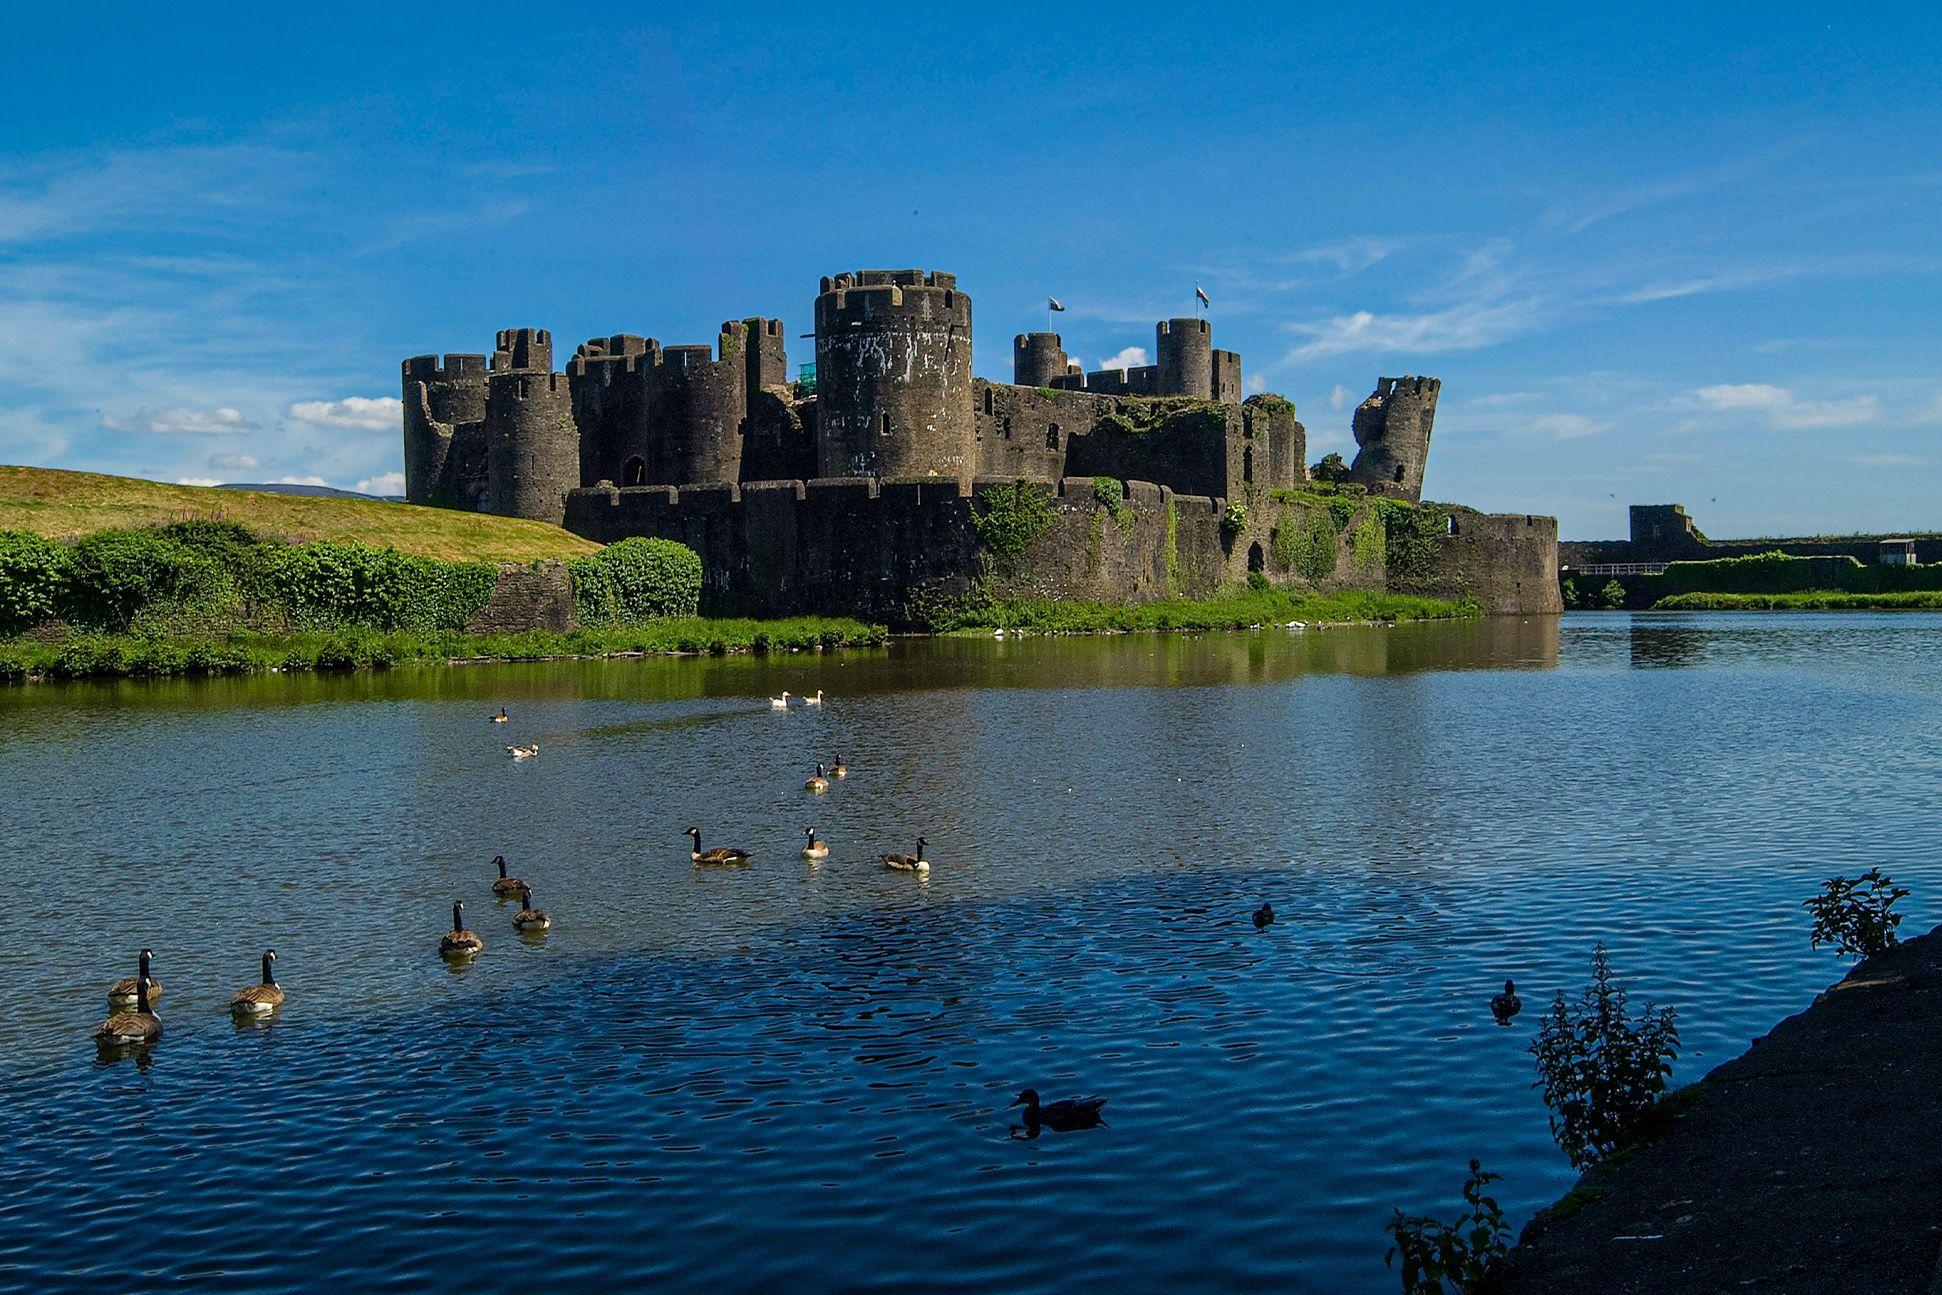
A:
x,y
1233,520
1568,592
34,578
1601,1070
1614,595
1331,468
1464,1253
116,574
1008,520
1856,916
331,586
636,580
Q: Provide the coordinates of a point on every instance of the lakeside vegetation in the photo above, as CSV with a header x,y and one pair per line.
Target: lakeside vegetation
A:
x,y
1814,600
96,656
1235,607
68,505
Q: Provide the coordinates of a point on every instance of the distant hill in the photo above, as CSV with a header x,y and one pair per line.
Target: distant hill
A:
x,y
68,505
315,492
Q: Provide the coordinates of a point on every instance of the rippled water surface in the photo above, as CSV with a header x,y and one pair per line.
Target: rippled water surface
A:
x,y
794,1076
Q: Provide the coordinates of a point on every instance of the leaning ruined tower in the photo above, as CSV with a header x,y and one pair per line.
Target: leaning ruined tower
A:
x,y
893,376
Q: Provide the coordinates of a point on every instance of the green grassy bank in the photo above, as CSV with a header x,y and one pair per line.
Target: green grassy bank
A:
x,y
1815,600
1234,608
95,656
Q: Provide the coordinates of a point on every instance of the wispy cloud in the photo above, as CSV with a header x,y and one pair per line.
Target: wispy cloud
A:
x,y
1781,408
1462,327
181,422
363,413
1889,460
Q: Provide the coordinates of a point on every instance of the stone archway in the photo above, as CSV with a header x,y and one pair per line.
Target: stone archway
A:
x,y
1257,560
634,472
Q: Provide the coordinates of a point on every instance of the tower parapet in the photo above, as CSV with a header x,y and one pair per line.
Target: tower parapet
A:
x,y
893,376
1184,355
1226,382
1038,359
1392,429
444,407
768,357
523,348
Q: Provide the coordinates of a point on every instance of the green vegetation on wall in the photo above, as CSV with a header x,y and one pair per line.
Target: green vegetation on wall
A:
x,y
1173,547
1008,520
1109,492
1412,537
1778,573
636,580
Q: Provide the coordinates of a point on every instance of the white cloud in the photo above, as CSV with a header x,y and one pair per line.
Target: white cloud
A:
x,y
197,481
1462,327
233,462
365,413
181,422
389,483
301,481
1566,427
1340,397
1256,383
1890,461
1781,408
1133,357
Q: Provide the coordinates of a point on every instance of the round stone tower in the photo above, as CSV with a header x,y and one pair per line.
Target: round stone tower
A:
x,y
893,376
696,403
438,399
1037,358
1185,356
532,444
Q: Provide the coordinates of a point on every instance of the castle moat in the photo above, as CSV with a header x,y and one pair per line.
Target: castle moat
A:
x,y
795,1075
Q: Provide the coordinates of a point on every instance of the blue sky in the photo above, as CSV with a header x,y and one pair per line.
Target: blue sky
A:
x,y
1680,257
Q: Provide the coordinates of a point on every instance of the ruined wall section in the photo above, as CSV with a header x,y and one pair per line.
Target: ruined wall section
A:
x,y
768,354
1274,433
893,375
1392,429
444,430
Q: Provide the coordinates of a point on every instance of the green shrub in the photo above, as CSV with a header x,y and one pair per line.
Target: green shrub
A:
x,y
1855,916
1008,520
1331,468
1465,1253
34,580
1602,1070
1233,520
1412,537
331,586
1341,512
1613,594
116,574
636,580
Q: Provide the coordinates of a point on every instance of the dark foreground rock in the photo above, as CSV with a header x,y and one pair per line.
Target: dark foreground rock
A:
x,y
1813,1163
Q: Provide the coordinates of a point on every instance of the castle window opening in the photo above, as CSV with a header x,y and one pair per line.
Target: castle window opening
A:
x,y
1453,525
1256,559
1004,428
1399,473
634,472
1052,436
884,427
987,400
1247,465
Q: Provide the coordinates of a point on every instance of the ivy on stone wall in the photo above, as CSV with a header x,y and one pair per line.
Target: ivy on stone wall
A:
x,y
1413,535
1310,545
636,580
1173,547
1008,519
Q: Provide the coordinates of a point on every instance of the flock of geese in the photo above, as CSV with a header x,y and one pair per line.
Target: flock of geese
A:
x,y
134,1024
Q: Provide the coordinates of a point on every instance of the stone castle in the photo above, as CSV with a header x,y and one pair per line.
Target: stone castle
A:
x,y
852,491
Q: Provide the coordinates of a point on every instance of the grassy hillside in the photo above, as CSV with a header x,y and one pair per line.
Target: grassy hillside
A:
x,y
67,505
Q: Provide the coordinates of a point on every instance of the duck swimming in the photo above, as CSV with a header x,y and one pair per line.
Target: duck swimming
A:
x,y
839,769
1264,917
721,854
780,703
123,992
259,999
528,918
814,849
459,942
817,783
817,700
501,717
1061,1116
1507,1004
506,887
525,752
909,862
131,1029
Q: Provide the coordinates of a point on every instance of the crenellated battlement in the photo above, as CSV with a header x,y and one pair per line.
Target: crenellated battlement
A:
x,y
523,348
455,368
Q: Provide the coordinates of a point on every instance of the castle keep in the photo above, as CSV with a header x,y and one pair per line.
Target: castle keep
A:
x,y
858,492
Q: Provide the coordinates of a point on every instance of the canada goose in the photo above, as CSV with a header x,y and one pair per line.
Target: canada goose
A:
x,y
123,992
1507,1004
1061,1116
817,783
131,1029
501,717
909,862
1264,917
529,918
506,887
817,700
839,769
260,999
814,849
780,703
459,942
720,854
524,752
